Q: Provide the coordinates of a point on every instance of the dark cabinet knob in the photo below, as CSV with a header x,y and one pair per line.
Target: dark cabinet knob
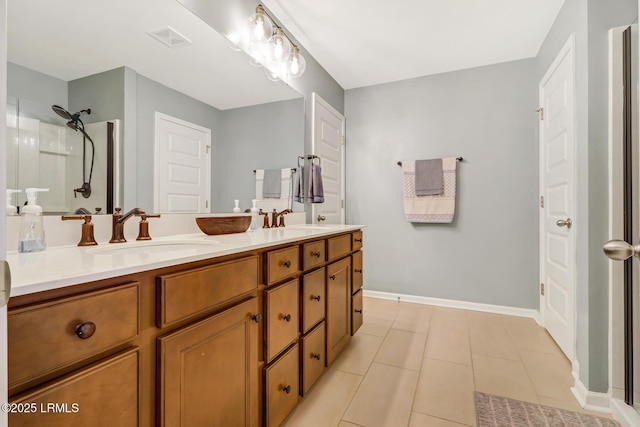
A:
x,y
358,240
316,254
286,389
332,277
257,317
287,263
287,317
316,297
316,356
358,310
85,330
357,270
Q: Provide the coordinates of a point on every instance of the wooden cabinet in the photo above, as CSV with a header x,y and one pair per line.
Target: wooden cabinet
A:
x,y
282,264
103,394
281,311
356,313
338,307
313,254
313,298
312,357
281,387
208,371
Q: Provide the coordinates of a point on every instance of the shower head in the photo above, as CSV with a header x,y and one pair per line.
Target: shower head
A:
x,y
73,124
68,116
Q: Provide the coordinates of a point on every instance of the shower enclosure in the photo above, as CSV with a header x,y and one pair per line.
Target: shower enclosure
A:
x,y
43,150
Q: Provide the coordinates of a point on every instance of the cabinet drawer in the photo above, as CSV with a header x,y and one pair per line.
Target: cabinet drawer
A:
x,y
338,247
189,293
282,264
356,314
43,337
313,298
356,240
104,394
281,311
281,387
313,254
208,371
312,356
356,271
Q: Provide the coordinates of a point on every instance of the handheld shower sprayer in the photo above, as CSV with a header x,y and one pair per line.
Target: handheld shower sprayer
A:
x,y
76,124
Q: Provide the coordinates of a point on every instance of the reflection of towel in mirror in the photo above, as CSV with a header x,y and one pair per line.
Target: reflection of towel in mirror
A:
x,y
298,185
316,192
271,184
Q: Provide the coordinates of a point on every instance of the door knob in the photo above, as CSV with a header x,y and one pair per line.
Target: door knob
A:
x,y
619,250
321,218
564,223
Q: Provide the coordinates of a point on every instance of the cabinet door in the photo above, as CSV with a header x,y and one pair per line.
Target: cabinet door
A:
x,y
356,277
338,307
209,371
313,304
281,381
103,394
312,357
356,315
282,317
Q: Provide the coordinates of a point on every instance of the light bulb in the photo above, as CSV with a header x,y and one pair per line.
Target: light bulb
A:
x,y
279,46
260,25
297,64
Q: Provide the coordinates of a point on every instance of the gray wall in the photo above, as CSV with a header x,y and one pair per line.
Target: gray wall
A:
x,y
267,136
35,86
489,254
151,97
590,22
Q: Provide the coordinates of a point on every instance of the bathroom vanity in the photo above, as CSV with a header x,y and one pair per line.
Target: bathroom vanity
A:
x,y
218,330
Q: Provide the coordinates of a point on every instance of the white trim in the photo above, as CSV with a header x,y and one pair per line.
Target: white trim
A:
x,y
4,397
591,400
624,414
315,98
567,49
463,305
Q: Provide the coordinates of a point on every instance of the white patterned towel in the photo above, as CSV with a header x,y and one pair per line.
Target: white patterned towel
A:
x,y
440,208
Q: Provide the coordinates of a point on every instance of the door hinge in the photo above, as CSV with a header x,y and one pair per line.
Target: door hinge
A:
x,y
542,289
541,111
206,204
542,201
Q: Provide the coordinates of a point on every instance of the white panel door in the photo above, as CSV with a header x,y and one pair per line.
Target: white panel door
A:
x,y
183,166
328,145
557,225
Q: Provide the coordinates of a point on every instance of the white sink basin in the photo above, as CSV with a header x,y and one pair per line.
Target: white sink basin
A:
x,y
152,247
308,227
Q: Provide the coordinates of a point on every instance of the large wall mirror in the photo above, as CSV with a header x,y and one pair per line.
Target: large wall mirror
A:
x,y
99,56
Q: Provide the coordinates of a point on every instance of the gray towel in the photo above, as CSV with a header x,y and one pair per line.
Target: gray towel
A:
x,y
298,185
271,187
316,192
429,178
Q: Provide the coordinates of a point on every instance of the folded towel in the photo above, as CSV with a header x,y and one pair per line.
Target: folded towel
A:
x,y
316,191
429,179
271,186
285,184
298,185
440,208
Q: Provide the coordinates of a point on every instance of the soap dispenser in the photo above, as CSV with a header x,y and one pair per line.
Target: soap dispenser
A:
x,y
11,209
236,207
31,237
254,215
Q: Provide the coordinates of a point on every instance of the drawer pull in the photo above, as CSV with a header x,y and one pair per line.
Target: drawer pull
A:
x,y
287,317
357,270
358,310
85,330
357,240
316,356
287,263
332,277
316,254
286,389
257,317
317,297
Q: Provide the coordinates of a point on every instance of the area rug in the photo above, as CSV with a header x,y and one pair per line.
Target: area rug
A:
x,y
496,411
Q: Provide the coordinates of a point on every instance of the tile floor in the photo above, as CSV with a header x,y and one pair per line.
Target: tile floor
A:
x,y
418,365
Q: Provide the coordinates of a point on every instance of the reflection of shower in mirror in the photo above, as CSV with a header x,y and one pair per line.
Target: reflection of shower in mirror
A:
x,y
76,124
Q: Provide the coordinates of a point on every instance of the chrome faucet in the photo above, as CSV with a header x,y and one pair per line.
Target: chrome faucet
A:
x,y
118,220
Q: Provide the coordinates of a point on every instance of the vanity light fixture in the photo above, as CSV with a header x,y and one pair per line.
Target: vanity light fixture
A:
x,y
272,48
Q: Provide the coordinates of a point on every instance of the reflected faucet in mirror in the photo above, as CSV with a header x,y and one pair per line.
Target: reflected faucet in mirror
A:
x,y
76,124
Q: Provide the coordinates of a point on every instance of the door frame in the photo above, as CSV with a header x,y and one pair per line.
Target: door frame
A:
x,y
316,99
4,393
156,154
567,49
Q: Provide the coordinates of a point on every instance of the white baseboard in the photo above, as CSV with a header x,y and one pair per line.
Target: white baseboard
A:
x,y
624,414
591,400
463,305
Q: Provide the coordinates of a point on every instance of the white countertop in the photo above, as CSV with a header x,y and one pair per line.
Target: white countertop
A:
x,y
62,266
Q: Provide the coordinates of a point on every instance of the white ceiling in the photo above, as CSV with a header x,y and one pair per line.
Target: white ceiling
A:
x,y
367,42
69,39
358,42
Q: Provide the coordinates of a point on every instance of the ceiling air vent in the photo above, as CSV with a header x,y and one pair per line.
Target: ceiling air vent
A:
x,y
169,37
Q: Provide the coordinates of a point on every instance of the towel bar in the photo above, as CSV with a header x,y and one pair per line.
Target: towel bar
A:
x,y
457,158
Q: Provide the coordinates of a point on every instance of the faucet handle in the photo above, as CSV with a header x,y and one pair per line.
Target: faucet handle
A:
x,y
87,238
116,211
265,224
281,215
143,232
